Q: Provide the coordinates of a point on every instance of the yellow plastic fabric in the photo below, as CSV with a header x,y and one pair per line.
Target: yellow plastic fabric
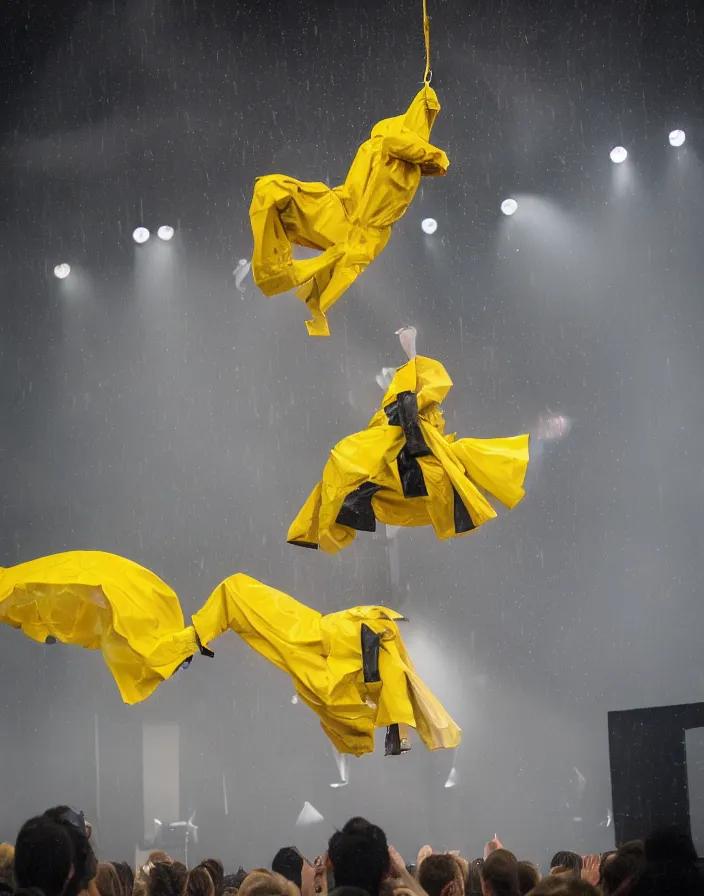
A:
x,y
104,602
323,656
101,602
498,466
350,224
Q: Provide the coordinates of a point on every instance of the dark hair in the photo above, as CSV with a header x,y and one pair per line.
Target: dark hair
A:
x,y
215,869
200,883
359,858
167,880
500,873
568,860
44,857
528,877
350,891
364,828
126,875
436,872
670,845
670,866
288,862
234,881
603,859
473,887
625,864
85,864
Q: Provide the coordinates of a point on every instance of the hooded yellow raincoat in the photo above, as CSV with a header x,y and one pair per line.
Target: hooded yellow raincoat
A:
x,y
351,691
350,224
404,471
104,602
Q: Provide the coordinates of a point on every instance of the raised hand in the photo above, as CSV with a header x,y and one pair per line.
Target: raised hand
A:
x,y
492,846
590,869
423,854
407,336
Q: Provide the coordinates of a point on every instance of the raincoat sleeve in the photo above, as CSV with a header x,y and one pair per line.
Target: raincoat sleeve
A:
x,y
409,147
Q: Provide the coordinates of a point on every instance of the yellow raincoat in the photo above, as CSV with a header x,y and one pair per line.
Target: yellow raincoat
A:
x,y
350,224
351,692
404,471
102,602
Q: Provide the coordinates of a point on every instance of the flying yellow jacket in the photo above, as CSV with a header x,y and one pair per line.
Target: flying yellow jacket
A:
x,y
350,224
404,471
351,668
102,602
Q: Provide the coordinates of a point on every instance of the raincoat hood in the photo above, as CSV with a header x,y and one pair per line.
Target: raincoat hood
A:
x,y
419,118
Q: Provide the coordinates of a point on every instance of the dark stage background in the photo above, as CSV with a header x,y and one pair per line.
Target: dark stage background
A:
x,y
150,409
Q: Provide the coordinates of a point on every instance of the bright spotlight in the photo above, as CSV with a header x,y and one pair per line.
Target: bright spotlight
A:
x,y
429,225
676,138
618,154
165,233
141,235
62,271
509,206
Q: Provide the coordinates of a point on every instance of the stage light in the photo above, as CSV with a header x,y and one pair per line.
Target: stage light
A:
x,y
62,271
509,206
165,233
429,225
141,235
618,154
676,138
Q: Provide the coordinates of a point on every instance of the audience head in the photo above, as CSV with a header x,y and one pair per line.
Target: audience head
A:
x,y
167,879
215,869
107,881
7,856
566,863
126,875
441,875
474,879
623,867
528,877
362,827
85,864
564,885
670,845
288,862
500,874
199,883
7,859
359,855
604,858
354,891
43,857
262,882
234,881
670,866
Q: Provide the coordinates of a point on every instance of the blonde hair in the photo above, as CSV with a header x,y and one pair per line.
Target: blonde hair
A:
x,y
7,856
261,882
